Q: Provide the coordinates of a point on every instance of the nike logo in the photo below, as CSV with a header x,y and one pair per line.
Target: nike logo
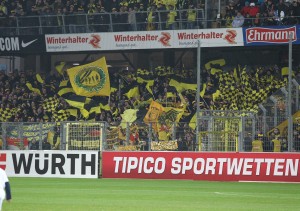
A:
x,y
24,45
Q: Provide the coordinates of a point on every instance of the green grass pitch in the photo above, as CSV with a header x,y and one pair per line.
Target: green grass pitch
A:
x,y
44,194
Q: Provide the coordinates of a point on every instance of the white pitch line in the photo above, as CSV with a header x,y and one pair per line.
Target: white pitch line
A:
x,y
259,195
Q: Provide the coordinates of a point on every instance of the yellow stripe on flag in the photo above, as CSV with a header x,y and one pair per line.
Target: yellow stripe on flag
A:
x,y
284,71
36,90
134,92
39,78
59,68
220,62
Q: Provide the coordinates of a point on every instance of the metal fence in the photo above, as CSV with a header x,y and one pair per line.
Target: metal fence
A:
x,y
30,135
225,130
97,22
82,135
236,132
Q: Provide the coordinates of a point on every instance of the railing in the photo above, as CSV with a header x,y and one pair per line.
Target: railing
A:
x,y
274,110
223,131
124,21
98,22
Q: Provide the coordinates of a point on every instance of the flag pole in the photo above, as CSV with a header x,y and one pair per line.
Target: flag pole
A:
x,y
290,117
198,91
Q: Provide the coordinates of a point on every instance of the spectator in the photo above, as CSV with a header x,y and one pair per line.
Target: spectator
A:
x,y
231,9
248,21
163,15
57,5
257,144
113,5
191,17
241,3
70,20
115,20
296,138
257,20
171,20
289,18
101,21
59,21
34,145
245,10
152,19
253,10
48,20
270,20
3,21
238,20
227,20
3,8
141,18
123,19
132,19
80,20
295,10
282,8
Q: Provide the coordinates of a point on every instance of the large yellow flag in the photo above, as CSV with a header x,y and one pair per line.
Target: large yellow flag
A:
x,y
155,109
90,79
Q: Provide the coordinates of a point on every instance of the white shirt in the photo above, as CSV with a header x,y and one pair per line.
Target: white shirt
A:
x,y
3,178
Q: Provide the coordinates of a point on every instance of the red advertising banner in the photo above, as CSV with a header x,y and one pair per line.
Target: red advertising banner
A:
x,y
280,167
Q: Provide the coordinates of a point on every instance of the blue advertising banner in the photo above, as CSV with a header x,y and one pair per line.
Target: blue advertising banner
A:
x,y
273,35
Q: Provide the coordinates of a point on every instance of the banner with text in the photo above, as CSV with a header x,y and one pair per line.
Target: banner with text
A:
x,y
281,167
144,40
59,164
273,35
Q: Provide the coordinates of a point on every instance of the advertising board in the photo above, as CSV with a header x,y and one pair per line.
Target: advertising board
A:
x,y
280,167
58,164
144,40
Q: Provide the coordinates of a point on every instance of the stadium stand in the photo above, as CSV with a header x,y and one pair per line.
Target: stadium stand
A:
x,y
30,97
44,17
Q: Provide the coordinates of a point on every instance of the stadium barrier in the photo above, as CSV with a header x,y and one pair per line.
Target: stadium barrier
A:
x,y
218,131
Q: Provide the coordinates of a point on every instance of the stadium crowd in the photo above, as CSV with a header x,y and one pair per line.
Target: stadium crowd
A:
x,y
125,15
130,15
250,13
24,97
40,7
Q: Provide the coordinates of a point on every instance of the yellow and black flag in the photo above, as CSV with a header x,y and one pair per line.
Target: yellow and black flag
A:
x,y
76,101
60,67
50,104
31,88
7,113
61,115
65,88
90,79
39,78
170,115
154,111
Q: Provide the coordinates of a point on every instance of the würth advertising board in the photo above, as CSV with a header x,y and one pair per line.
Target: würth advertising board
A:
x,y
282,167
68,164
